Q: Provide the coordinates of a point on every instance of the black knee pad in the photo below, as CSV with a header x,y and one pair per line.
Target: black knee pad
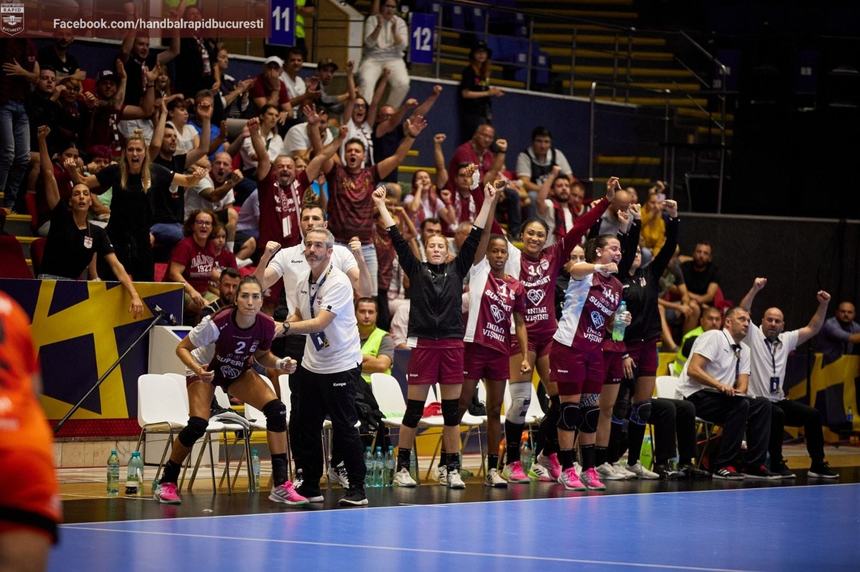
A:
x,y
641,412
589,418
195,429
570,416
414,410
276,416
451,412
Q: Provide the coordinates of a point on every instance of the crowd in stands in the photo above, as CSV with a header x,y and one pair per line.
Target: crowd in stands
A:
x,y
136,175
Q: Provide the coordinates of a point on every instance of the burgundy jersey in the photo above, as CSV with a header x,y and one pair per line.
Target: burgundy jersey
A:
x,y
279,210
492,304
350,208
588,306
228,349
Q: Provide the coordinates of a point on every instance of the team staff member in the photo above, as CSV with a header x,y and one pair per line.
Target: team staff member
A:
x,y
29,496
537,267
576,358
221,351
770,346
435,334
330,368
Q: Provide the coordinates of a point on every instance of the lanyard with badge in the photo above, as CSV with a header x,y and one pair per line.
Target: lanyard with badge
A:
x,y
319,339
736,349
774,379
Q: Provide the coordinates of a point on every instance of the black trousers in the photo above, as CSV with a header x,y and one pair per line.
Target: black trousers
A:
x,y
317,396
795,414
674,422
737,414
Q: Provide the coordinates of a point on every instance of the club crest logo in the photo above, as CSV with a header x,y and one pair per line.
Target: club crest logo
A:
x,y
497,313
11,19
229,372
597,319
535,296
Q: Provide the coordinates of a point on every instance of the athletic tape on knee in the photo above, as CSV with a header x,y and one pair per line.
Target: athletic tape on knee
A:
x,y
276,416
451,412
589,400
569,417
195,429
414,410
640,413
521,397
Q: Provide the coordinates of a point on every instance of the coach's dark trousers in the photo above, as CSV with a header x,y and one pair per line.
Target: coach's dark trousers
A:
x,y
795,414
737,414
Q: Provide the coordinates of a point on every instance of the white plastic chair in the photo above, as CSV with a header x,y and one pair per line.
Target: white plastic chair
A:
x,y
160,409
667,388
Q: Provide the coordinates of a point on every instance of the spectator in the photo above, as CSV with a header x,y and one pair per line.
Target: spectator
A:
x,y
535,163
677,310
108,108
388,131
701,276
272,142
653,225
711,319
361,116
841,334
770,346
191,263
301,94
248,225
298,138
611,221
73,242
228,283
719,361
475,93
138,60
57,57
222,255
425,202
386,38
235,98
134,180
196,61
377,348
169,206
20,69
220,198
350,186
268,89
73,114
480,151
333,104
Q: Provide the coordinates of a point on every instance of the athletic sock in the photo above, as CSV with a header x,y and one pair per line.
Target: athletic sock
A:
x,y
492,462
403,458
453,462
513,435
279,469
599,455
635,434
587,456
171,472
565,457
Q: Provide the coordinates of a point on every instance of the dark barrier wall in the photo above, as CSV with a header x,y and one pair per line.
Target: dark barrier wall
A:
x,y
798,257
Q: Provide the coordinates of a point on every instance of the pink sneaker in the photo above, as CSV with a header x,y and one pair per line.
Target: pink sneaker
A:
x,y
591,479
551,463
287,494
570,480
514,473
165,493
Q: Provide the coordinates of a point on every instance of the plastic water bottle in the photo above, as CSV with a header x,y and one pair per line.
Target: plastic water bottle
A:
x,y
390,461
619,326
378,468
646,454
368,467
113,473
255,467
134,477
526,455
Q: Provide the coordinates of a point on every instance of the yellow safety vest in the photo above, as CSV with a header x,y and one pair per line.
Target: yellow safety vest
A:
x,y
371,346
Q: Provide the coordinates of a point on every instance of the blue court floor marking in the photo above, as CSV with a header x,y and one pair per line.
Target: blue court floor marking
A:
x,y
764,528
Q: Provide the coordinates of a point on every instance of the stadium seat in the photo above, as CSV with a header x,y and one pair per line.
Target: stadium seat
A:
x,y
37,253
12,261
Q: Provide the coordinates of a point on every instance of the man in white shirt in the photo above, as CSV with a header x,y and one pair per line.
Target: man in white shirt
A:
x,y
386,38
300,93
330,369
716,380
770,346
297,139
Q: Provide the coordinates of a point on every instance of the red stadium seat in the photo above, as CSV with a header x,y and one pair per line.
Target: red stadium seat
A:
x,y
37,253
12,261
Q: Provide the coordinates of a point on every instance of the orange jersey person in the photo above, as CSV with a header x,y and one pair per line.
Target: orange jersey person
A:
x,y
29,500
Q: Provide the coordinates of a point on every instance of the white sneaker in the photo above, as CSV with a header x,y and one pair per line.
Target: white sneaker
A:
x,y
455,481
609,473
538,472
402,478
495,480
641,472
621,469
442,475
